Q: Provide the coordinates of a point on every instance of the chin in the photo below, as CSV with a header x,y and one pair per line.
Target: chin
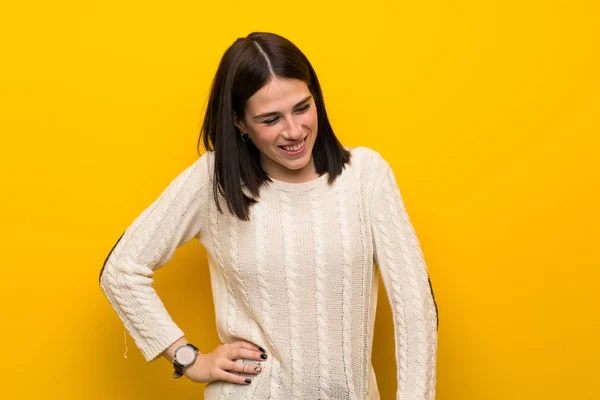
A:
x,y
298,163
292,166
296,167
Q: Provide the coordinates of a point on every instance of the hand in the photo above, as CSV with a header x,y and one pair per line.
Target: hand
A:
x,y
219,364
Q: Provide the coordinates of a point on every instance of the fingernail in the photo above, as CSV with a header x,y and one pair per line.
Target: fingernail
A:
x,y
258,369
263,356
248,381
261,349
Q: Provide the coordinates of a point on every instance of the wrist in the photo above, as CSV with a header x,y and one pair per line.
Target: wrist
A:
x,y
192,366
169,353
184,357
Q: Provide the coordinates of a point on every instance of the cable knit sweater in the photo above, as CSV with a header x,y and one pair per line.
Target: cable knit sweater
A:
x,y
299,279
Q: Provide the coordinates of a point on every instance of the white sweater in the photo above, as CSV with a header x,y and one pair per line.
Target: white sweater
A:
x,y
299,279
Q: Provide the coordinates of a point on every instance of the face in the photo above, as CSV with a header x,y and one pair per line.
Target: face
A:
x,y
281,120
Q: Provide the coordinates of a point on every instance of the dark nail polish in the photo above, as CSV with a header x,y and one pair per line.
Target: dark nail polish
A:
x,y
248,381
261,349
263,356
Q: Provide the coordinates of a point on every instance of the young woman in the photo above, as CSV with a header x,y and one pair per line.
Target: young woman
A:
x,y
297,229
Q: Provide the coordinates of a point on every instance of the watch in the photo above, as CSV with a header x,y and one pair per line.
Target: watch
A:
x,y
184,357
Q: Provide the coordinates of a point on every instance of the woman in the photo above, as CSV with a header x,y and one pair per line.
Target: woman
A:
x,y
294,256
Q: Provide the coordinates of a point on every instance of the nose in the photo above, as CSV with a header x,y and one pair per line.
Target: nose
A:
x,y
294,130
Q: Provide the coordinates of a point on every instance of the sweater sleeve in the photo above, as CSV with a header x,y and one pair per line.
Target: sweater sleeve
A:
x,y
398,255
126,278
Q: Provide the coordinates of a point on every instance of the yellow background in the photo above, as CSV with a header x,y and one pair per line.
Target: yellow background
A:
x,y
487,111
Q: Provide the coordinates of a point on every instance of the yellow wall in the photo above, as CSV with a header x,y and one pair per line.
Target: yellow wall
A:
x,y
487,111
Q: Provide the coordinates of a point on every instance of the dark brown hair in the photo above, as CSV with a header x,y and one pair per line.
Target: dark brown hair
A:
x,y
246,66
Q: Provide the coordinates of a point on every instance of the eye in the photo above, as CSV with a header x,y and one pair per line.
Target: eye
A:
x,y
270,121
274,120
306,107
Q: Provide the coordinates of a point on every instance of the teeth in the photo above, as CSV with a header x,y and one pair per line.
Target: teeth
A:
x,y
294,148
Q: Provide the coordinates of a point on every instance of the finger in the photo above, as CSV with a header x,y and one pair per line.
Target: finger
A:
x,y
229,377
248,354
247,345
242,368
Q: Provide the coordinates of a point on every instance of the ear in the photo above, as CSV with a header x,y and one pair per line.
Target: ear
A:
x,y
239,123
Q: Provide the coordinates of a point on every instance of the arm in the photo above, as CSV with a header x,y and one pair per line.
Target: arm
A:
x,y
404,273
147,244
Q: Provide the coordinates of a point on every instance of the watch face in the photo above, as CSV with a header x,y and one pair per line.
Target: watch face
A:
x,y
185,355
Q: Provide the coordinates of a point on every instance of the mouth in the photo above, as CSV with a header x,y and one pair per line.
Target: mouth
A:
x,y
295,149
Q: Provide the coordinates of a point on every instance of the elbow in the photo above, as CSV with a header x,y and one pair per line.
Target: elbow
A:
x,y
106,259
437,320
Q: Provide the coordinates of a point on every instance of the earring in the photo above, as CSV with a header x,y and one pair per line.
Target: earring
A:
x,y
246,137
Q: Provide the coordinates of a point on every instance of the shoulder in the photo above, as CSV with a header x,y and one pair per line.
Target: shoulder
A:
x,y
205,163
201,166
207,160
195,176
369,160
369,167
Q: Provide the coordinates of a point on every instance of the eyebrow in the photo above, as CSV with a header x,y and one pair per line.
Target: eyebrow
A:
x,y
277,112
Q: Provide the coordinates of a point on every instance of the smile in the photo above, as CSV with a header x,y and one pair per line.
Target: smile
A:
x,y
296,150
295,147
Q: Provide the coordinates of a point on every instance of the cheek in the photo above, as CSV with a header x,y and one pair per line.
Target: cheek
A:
x,y
311,118
265,134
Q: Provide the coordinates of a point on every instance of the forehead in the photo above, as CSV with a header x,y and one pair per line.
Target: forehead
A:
x,y
277,95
